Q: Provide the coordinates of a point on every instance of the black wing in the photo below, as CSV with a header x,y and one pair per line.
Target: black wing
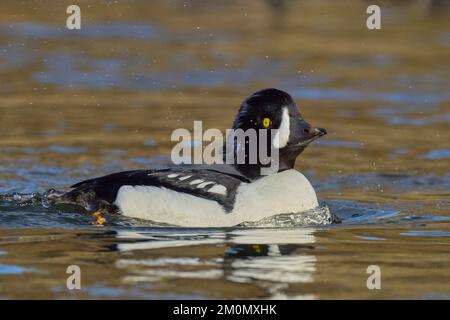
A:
x,y
103,190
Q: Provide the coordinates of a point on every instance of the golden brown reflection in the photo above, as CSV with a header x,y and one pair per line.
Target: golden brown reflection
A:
x,y
74,106
264,263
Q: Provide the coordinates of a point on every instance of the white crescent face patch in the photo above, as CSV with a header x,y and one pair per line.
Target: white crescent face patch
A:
x,y
282,136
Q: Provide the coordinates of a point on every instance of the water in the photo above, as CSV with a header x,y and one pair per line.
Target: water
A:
x,y
106,98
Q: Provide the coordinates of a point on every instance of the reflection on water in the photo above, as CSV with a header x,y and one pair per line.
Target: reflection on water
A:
x,y
437,154
32,31
300,263
78,104
426,233
267,257
8,269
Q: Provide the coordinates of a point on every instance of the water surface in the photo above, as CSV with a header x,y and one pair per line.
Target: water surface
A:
x,y
74,105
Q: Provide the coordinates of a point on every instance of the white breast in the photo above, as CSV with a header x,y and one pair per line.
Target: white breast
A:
x,y
285,192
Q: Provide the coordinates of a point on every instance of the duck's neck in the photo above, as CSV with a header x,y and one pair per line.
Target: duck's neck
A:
x,y
286,161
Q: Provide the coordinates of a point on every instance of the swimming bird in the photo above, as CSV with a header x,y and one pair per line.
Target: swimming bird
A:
x,y
218,195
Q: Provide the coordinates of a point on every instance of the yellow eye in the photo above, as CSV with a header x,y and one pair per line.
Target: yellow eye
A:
x,y
266,122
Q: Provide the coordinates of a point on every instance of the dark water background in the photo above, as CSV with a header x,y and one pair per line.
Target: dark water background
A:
x,y
77,104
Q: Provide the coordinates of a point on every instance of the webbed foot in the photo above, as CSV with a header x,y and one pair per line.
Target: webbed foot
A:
x,y
100,220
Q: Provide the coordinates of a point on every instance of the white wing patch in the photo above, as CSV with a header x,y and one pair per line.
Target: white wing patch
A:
x,y
218,189
204,184
173,175
184,178
196,181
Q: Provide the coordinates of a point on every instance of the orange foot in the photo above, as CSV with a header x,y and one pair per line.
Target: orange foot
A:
x,y
100,222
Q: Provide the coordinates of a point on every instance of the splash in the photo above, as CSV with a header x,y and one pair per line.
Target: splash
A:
x,y
319,216
42,203
34,199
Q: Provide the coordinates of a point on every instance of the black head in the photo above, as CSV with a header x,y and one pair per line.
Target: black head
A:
x,y
275,109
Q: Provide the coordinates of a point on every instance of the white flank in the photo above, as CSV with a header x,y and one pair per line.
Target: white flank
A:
x,y
285,192
168,206
219,189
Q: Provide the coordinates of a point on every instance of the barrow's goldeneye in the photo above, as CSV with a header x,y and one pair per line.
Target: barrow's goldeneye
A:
x,y
213,195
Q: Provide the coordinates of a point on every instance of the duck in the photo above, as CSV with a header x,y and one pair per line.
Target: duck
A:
x,y
213,195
